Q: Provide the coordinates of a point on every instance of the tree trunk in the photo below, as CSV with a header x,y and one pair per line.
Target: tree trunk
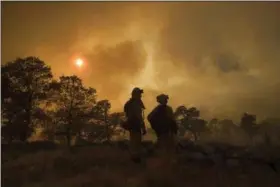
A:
x,y
267,140
107,124
68,137
195,136
251,139
28,124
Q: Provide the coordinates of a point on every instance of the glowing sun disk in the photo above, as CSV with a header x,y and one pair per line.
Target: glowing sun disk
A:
x,y
79,62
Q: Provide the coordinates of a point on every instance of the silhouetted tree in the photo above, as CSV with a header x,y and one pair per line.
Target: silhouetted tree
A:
x,y
49,125
248,124
109,121
189,119
74,104
100,111
116,118
270,130
213,125
78,113
24,84
181,112
226,126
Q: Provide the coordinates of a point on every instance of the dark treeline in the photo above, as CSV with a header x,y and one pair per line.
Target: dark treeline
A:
x,y
32,99
66,108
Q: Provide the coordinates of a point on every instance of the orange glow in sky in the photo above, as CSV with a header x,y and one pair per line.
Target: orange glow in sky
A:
x,y
79,62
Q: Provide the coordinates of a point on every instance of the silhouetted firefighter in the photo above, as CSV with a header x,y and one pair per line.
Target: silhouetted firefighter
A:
x,y
134,110
163,123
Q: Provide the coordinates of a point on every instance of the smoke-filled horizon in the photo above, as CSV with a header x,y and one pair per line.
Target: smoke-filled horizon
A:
x,y
222,57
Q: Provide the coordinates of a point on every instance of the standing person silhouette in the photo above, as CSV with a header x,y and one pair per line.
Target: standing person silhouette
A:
x,y
134,110
163,122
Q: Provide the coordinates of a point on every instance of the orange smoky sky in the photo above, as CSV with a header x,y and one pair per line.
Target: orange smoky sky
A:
x,y
223,57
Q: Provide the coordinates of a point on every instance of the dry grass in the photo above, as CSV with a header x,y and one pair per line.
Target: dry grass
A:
x,y
105,166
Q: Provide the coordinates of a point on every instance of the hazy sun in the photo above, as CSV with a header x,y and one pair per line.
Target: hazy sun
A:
x,y
79,62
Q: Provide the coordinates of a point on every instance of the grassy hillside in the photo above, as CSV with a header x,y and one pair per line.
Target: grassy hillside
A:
x,y
105,166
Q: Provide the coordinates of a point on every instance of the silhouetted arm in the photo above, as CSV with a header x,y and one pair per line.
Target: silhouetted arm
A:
x,y
125,108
